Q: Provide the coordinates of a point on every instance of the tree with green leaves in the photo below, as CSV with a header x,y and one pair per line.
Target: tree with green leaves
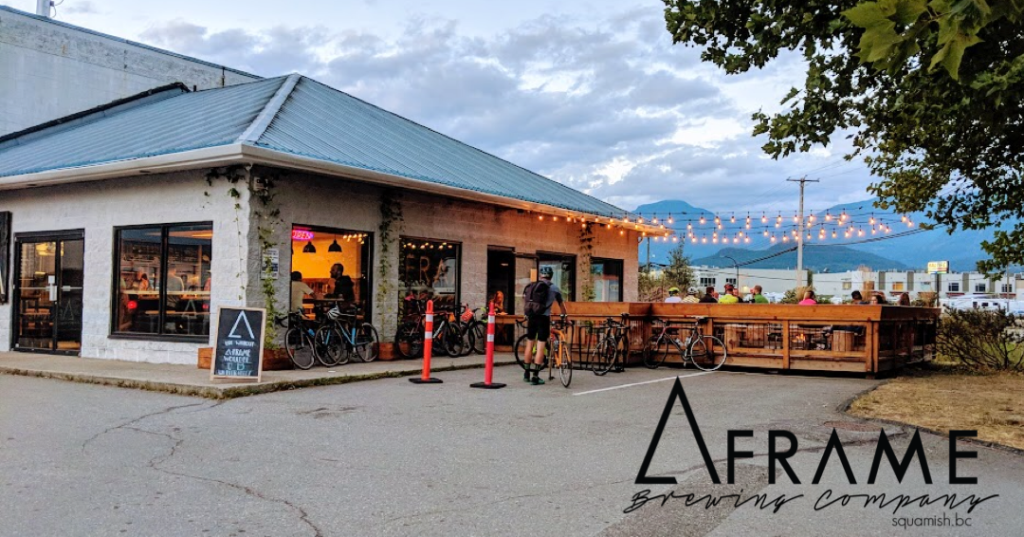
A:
x,y
931,93
678,272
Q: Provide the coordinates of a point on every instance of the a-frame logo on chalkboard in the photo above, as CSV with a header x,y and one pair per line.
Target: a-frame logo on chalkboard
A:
x,y
238,351
234,329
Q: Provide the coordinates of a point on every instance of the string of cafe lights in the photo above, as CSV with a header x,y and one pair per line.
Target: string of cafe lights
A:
x,y
769,226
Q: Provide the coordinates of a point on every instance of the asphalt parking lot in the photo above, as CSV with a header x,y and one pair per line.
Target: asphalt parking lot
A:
x,y
388,457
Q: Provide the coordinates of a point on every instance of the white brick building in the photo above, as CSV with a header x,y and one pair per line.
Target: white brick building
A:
x,y
50,69
156,212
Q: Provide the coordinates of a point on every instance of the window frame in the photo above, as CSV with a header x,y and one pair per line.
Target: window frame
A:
x,y
702,280
115,287
950,287
981,287
622,271
549,256
458,264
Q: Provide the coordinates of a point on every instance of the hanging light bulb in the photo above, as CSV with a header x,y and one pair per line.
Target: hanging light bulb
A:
x,y
309,248
670,220
764,218
732,219
702,219
828,217
689,226
655,219
833,233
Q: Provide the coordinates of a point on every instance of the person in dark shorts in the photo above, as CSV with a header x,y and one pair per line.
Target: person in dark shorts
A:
x,y
538,326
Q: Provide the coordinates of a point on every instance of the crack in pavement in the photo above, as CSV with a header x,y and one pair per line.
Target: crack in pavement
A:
x,y
156,461
177,442
136,420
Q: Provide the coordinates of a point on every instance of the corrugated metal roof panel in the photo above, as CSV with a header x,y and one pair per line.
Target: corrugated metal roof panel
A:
x,y
314,121
190,121
321,122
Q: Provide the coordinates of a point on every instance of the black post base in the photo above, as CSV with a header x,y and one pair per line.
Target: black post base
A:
x,y
430,380
485,386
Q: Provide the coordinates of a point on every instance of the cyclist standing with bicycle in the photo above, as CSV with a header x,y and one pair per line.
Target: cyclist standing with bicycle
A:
x,y
539,296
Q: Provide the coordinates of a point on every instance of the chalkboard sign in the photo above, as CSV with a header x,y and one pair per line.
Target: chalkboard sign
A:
x,y
238,353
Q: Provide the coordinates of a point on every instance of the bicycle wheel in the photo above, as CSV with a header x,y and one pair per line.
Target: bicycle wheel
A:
x,y
331,347
605,356
367,343
478,331
467,339
565,368
299,348
452,340
707,353
520,351
655,351
409,340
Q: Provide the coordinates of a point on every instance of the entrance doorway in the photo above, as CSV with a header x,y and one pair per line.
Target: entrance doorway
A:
x,y
501,276
48,294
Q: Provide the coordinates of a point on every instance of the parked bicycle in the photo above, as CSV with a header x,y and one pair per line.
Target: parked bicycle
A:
x,y
342,337
705,351
448,335
558,346
613,345
298,339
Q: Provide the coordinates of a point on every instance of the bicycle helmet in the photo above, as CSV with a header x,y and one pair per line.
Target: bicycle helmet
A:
x,y
547,272
334,313
692,291
673,290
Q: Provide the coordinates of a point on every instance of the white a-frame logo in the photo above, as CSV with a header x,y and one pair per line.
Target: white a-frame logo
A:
x,y
242,318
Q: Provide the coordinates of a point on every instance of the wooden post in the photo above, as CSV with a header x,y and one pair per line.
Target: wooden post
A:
x,y
785,344
871,346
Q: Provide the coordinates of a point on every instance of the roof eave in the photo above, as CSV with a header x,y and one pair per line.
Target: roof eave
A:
x,y
271,157
235,153
185,160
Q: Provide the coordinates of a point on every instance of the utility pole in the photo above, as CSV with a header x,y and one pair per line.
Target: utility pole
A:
x,y
648,255
800,236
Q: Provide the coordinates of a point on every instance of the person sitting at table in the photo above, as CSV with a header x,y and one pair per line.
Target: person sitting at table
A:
x,y
709,296
498,300
904,300
692,296
142,282
341,286
808,298
299,291
876,300
857,298
729,297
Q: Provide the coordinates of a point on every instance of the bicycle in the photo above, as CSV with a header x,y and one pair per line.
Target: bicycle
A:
x,y
298,339
702,350
476,332
338,338
556,346
614,343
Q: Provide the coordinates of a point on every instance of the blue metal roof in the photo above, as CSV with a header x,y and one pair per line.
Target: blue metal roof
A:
x,y
187,121
310,120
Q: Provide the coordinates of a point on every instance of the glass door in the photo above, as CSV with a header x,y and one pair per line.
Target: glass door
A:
x,y
48,296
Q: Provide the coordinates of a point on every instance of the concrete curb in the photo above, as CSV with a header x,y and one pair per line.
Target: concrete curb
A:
x,y
230,392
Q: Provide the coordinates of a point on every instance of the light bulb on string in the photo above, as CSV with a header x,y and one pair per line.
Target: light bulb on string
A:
x,y
670,219
732,219
764,218
828,217
702,219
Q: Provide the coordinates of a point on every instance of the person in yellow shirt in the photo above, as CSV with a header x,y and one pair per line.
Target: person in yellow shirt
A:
x,y
729,296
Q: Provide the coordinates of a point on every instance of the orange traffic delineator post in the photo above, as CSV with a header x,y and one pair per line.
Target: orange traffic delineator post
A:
x,y
428,348
489,369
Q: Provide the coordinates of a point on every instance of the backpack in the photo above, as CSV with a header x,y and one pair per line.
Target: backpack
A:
x,y
535,296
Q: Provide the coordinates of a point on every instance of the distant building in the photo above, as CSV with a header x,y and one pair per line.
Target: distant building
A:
x,y
50,69
891,283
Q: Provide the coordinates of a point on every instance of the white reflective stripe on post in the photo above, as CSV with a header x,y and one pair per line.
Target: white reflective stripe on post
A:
x,y
490,319
490,338
430,317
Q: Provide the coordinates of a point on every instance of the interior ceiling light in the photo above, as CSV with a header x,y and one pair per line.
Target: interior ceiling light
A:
x,y
309,248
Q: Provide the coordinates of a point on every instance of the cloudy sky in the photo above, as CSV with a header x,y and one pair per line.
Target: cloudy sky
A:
x,y
590,93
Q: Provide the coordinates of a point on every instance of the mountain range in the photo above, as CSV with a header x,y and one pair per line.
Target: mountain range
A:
x,y
881,251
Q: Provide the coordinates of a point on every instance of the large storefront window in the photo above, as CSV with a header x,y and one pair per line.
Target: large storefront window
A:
x,y
162,282
428,270
607,277
564,268
332,267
